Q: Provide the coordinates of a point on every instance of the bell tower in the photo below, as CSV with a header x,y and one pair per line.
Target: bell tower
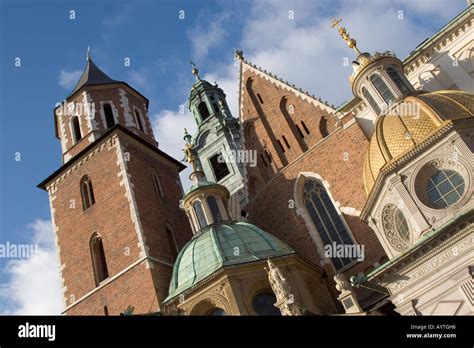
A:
x,y
114,201
218,142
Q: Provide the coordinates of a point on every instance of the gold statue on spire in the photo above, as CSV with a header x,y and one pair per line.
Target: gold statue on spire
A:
x,y
189,151
345,35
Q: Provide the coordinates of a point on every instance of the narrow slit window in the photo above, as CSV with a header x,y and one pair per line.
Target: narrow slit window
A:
x,y
281,146
87,193
304,127
139,120
99,262
109,115
286,141
76,129
259,98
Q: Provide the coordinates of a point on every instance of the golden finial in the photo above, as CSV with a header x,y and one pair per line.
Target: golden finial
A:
x,y
195,71
345,35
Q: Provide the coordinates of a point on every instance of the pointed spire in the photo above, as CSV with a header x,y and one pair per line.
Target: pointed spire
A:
x,y
92,75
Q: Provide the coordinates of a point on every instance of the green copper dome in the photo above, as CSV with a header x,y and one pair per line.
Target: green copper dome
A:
x,y
221,245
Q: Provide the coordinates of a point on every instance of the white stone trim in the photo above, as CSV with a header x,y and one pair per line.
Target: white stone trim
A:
x,y
130,196
124,103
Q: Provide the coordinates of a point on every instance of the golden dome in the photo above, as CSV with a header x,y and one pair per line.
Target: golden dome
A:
x,y
394,135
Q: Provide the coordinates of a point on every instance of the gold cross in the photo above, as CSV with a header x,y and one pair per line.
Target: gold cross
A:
x,y
335,22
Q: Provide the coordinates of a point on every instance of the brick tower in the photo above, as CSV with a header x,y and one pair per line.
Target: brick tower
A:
x,y
114,201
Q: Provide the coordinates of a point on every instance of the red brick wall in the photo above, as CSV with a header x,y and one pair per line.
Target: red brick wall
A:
x,y
324,156
110,216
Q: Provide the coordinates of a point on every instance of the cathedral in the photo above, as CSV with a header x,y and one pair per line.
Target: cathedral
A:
x,y
295,207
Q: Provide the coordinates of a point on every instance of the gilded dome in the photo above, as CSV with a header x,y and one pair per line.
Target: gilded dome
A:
x,y
215,246
403,129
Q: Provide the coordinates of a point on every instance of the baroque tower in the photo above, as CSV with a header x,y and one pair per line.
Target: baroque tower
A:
x,y
217,142
114,201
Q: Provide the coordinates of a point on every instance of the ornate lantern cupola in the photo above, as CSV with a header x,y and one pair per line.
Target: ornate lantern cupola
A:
x,y
207,101
205,203
377,79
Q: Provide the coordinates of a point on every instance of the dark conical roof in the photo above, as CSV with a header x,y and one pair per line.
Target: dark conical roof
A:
x,y
92,75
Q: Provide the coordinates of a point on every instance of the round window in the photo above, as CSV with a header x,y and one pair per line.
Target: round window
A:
x,y
444,188
395,227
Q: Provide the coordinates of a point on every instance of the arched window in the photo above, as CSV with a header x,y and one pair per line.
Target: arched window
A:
x,y
99,263
263,304
87,193
76,129
382,88
200,214
139,120
157,183
216,311
328,223
106,311
219,166
286,141
203,110
172,242
323,127
216,214
398,80
109,115
371,100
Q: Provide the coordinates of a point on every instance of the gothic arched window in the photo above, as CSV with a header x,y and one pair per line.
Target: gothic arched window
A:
x,y
139,120
76,129
99,263
109,115
382,88
157,183
203,110
327,220
212,203
397,80
323,127
200,214
371,100
87,194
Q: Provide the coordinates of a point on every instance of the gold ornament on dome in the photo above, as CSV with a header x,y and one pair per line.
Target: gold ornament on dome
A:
x,y
345,35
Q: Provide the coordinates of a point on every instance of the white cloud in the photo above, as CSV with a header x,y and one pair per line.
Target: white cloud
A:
x,y
168,127
34,284
138,79
68,79
307,52
203,38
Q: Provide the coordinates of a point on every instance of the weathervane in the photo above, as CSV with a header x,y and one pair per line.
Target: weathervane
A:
x,y
195,71
345,35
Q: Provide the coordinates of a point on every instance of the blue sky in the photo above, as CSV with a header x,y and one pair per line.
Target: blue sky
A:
x,y
52,49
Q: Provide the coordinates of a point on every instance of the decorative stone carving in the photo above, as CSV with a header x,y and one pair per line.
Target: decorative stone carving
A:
x,y
347,296
390,228
282,289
